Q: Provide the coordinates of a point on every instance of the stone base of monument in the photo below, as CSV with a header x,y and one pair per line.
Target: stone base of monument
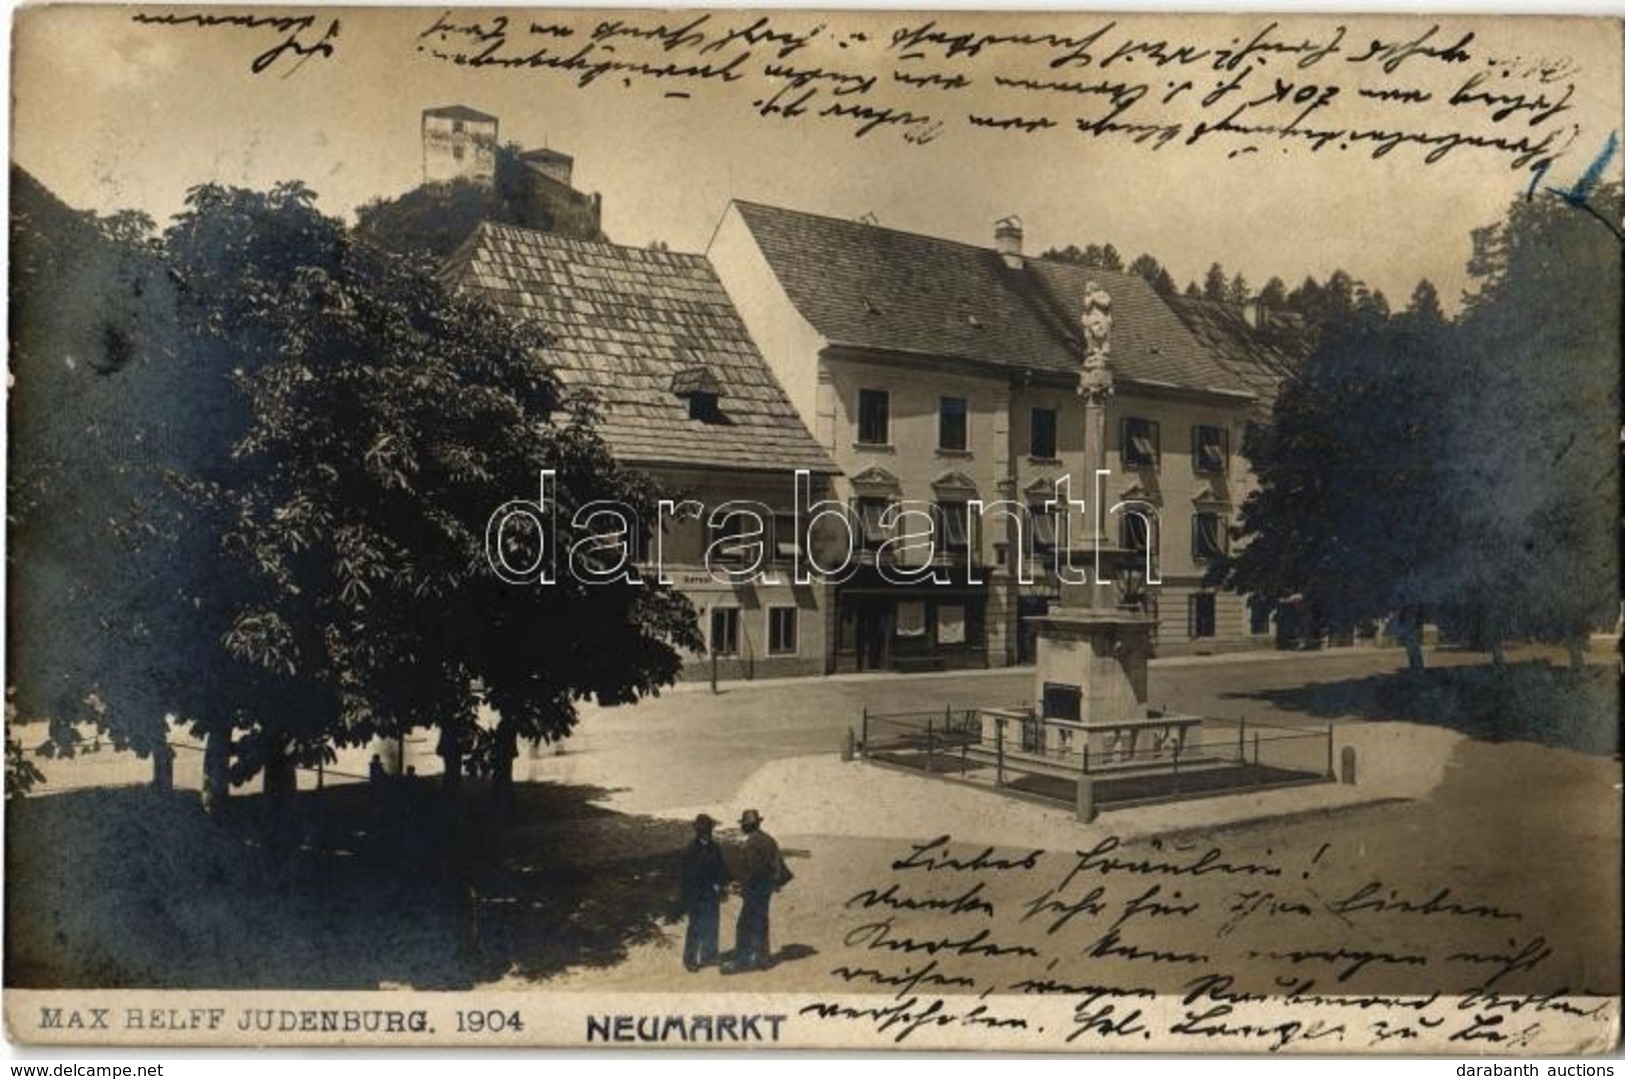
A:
x,y
1154,743
1149,742
1092,715
1091,664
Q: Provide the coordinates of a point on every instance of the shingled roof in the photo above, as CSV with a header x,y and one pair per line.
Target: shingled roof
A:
x,y
1260,356
869,287
625,322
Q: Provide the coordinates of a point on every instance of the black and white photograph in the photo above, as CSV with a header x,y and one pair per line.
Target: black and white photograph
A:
x,y
741,529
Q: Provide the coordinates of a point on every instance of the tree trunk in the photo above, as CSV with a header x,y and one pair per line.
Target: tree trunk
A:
x,y
450,751
504,752
1498,653
163,768
281,778
1577,646
280,782
216,769
1410,634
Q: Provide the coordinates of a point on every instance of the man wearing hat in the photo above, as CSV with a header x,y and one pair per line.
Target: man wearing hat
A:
x,y
761,874
705,875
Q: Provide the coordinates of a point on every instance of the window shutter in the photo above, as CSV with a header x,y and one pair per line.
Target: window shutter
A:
x,y
1210,448
1043,526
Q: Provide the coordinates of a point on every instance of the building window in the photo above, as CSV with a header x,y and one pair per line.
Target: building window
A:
x,y
1042,522
1207,537
457,153
1141,443
953,625
952,529
874,417
1133,532
638,544
1210,449
951,424
1252,440
870,511
1043,440
703,407
727,540
1258,617
1202,614
456,127
725,631
1063,701
910,623
781,630
786,541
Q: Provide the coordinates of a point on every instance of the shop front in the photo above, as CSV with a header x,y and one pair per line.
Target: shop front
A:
x,y
881,626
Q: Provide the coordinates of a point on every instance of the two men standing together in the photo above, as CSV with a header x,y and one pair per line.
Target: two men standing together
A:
x,y
705,877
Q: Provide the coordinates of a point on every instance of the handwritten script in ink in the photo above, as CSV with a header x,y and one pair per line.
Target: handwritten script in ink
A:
x,y
1425,89
296,37
1187,947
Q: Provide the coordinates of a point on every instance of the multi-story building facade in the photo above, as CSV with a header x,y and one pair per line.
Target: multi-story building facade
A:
x,y
685,397
459,143
1262,348
938,374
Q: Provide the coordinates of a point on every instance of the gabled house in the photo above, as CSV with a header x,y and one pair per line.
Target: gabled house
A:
x,y
936,373
687,397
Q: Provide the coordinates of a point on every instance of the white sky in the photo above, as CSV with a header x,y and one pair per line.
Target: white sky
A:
x,y
109,115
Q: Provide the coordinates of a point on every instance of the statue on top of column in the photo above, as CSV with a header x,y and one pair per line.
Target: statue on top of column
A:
x,y
1095,380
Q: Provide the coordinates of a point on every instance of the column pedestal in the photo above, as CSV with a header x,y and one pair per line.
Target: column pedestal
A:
x,y
1101,652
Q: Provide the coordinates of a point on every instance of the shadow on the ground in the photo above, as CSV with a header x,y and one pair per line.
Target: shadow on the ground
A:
x,y
790,953
793,953
1533,702
361,887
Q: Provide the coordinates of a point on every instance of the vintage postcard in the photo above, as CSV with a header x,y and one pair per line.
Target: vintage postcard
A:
x,y
706,529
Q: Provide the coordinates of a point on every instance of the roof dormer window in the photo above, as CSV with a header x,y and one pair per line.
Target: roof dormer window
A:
x,y
703,392
703,407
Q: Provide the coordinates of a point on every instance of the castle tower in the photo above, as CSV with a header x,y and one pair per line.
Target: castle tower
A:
x,y
459,143
550,163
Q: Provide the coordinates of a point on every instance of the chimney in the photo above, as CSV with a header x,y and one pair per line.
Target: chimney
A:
x,y
1007,241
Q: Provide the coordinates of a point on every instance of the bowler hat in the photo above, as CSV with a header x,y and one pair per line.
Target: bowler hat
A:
x,y
750,816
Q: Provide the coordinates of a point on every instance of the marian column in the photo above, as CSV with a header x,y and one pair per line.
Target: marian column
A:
x,y
1094,387
1090,674
1089,644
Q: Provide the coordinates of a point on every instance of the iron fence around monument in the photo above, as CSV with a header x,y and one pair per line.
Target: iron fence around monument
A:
x,y
1181,757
